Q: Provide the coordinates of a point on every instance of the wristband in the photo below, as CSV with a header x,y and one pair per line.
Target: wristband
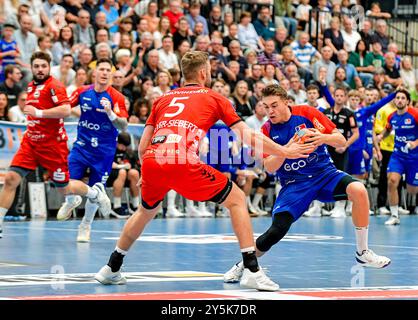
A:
x,y
38,113
112,116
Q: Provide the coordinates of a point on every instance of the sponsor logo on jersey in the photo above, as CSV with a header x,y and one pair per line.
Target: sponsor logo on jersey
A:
x,y
30,89
89,125
85,107
158,139
59,175
408,121
318,125
55,99
105,102
294,166
86,98
173,138
37,94
53,92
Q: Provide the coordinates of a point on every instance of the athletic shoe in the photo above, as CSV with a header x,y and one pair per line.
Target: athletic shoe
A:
x,y
83,233
120,213
191,211
203,214
370,259
383,211
252,211
392,221
257,280
313,211
338,213
371,212
223,213
235,273
403,211
261,212
67,208
173,213
102,200
106,276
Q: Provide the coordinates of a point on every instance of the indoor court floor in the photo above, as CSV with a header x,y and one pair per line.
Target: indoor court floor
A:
x,y
185,258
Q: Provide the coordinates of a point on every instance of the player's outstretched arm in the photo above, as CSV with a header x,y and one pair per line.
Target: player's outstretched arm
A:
x,y
145,141
58,112
263,144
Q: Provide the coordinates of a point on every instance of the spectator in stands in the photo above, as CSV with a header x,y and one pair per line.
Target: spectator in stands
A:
x,y
45,44
112,16
409,77
251,57
175,78
231,73
350,36
9,52
167,58
217,49
228,21
16,112
297,90
215,22
268,55
367,33
377,54
152,16
11,86
325,61
363,62
83,31
142,27
197,31
235,55
174,13
202,43
376,12
247,35
257,89
125,28
146,86
340,80
379,82
119,83
151,67
85,57
100,21
392,76
285,84
194,17
102,51
353,78
380,35
232,35
241,97
280,39
183,32
64,45
141,111
64,72
393,47
302,13
270,75
283,12
4,107
264,25
79,80
163,82
183,47
92,8
163,29
333,38
304,52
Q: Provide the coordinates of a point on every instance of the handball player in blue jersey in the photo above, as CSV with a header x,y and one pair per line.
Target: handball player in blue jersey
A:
x,y
103,112
404,159
308,179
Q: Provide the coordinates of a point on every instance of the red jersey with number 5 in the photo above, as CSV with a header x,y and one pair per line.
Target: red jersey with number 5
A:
x,y
182,117
46,95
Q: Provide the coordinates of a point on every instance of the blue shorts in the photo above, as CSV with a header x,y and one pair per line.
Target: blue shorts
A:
x,y
356,164
79,162
368,162
408,166
295,197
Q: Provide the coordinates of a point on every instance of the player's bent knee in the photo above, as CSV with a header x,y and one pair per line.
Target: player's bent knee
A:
x,y
278,229
12,180
356,191
235,198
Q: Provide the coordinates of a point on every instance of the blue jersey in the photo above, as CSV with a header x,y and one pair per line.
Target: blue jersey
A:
x,y
406,129
362,116
318,161
6,60
96,134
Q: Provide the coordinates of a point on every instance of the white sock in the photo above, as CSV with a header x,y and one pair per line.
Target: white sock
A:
x,y
394,211
249,249
135,202
257,199
362,234
3,212
91,193
340,204
248,200
171,199
123,252
69,198
189,204
117,202
89,212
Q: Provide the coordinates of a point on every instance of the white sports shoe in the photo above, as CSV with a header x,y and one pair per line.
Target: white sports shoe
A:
x,y
83,233
313,211
257,280
370,259
338,213
191,211
102,200
67,208
403,211
204,214
261,212
106,276
383,211
392,221
235,273
173,213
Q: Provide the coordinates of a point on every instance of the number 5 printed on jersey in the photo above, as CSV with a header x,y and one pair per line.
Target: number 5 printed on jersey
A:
x,y
179,105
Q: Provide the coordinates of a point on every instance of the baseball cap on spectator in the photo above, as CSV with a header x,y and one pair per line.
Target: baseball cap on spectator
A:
x,y
122,53
9,25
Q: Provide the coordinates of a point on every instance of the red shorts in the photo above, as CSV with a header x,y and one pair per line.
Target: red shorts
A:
x,y
198,182
51,156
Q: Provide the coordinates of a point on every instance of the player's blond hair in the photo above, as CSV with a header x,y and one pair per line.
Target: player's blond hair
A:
x,y
192,62
275,90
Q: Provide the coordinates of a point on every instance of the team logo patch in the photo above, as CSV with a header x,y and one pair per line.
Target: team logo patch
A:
x,y
318,125
300,127
173,138
158,139
59,175
408,121
105,102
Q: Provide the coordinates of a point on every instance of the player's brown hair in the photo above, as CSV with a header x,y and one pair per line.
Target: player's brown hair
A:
x,y
40,55
192,62
406,93
275,90
104,60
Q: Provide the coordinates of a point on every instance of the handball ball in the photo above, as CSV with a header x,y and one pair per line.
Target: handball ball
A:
x,y
302,136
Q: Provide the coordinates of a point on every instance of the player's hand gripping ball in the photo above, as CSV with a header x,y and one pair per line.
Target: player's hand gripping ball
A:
x,y
301,136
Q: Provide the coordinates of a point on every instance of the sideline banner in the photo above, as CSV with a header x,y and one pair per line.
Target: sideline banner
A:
x,y
12,133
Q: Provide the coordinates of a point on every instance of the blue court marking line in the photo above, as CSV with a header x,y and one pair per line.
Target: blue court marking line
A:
x,y
84,278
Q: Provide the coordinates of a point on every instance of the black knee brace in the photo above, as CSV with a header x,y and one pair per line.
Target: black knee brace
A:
x,y
280,226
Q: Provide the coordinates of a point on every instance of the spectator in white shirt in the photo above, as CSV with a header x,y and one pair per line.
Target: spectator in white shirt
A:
x,y
168,59
16,112
350,36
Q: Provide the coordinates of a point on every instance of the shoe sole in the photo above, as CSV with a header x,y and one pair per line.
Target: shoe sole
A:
x,y
258,289
83,240
365,264
69,212
105,281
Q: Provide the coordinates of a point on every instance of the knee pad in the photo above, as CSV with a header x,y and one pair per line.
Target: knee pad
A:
x,y
280,226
